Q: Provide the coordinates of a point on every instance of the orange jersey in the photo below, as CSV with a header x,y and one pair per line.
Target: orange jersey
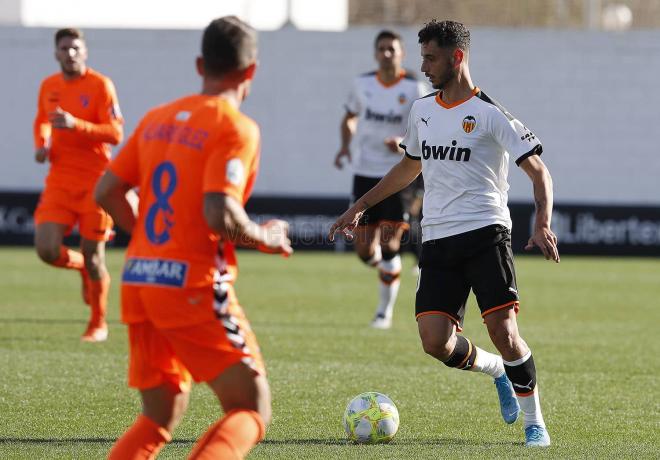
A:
x,y
80,155
179,152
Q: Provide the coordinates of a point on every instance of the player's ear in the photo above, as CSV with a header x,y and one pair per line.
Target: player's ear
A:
x,y
250,70
458,56
199,65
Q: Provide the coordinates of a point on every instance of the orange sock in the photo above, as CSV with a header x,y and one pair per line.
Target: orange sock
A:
x,y
98,299
231,437
70,259
142,441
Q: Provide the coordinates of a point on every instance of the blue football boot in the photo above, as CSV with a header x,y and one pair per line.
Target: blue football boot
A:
x,y
508,402
536,436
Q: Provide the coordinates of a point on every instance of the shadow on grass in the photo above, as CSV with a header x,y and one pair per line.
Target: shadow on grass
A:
x,y
402,442
278,442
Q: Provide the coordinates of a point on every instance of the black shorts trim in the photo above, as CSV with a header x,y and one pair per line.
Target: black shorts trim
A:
x,y
480,260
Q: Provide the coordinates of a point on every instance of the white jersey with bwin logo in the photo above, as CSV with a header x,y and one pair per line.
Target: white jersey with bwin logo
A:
x,y
464,149
382,111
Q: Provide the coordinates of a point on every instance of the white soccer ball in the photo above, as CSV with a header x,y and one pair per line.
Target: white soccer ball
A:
x,y
371,418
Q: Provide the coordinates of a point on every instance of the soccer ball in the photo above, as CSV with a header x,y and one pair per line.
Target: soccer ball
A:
x,y
371,418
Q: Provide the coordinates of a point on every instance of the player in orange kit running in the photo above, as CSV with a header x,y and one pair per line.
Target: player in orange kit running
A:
x,y
194,160
77,118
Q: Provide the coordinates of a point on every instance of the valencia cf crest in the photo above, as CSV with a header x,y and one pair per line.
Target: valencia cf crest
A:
x,y
469,124
402,98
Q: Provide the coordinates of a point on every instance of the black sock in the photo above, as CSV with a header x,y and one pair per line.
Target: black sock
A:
x,y
463,355
522,374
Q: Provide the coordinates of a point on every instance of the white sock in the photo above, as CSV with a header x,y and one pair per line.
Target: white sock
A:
x,y
531,409
488,363
530,405
388,290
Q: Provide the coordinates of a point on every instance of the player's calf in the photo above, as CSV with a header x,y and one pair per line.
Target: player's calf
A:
x,y
466,356
389,268
61,257
469,357
389,271
144,439
522,373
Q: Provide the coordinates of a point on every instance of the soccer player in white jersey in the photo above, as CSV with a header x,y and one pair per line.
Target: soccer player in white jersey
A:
x,y
371,130
461,141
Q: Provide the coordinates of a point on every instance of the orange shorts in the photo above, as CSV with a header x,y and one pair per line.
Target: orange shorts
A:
x,y
71,207
178,355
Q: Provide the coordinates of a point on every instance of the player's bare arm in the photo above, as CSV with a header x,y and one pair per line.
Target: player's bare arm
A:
x,y
226,216
543,237
115,196
393,142
399,177
347,130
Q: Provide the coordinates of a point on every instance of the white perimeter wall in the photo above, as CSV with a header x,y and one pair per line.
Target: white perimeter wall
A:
x,y
174,14
591,97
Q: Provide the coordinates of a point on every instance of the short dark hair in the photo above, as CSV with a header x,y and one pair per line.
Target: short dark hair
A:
x,y
228,44
387,34
446,34
68,32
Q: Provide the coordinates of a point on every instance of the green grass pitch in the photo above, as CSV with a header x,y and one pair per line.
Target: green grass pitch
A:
x,y
592,323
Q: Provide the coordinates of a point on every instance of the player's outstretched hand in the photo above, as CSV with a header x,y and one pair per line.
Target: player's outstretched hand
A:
x,y
339,158
59,119
277,240
41,155
346,223
392,143
546,241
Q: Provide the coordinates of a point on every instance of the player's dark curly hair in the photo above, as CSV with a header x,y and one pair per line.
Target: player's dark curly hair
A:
x,y
446,34
228,44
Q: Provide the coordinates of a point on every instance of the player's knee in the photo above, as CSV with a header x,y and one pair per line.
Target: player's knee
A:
x,y
168,409
505,339
48,253
437,347
249,392
391,245
369,256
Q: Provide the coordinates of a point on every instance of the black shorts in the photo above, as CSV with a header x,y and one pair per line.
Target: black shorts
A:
x,y
480,260
391,209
